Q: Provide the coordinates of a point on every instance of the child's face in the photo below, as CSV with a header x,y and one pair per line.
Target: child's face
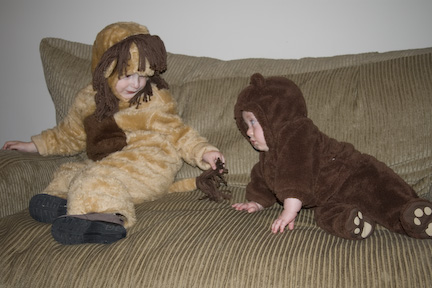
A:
x,y
255,131
128,86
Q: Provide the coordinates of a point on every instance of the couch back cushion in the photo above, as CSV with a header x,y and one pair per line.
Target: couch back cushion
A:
x,y
380,102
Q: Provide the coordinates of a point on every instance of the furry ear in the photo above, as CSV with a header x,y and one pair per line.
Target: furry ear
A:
x,y
257,80
108,72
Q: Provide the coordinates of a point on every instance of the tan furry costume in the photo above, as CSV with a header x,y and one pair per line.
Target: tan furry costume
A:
x,y
153,140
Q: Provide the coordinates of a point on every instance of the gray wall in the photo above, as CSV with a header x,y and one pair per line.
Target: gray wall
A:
x,y
224,29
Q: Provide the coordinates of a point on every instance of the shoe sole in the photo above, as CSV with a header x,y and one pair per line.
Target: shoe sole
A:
x,y
46,208
71,230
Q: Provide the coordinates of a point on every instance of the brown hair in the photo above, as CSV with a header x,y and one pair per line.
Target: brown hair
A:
x,y
150,47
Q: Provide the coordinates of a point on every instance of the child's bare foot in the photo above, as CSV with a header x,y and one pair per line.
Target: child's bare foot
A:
x,y
359,226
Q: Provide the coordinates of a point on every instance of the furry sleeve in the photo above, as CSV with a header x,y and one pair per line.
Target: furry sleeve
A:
x,y
160,115
68,137
297,164
192,146
257,190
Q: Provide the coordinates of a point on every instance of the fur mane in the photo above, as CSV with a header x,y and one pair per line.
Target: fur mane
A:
x,y
150,47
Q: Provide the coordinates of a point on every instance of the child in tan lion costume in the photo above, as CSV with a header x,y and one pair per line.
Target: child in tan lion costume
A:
x,y
127,122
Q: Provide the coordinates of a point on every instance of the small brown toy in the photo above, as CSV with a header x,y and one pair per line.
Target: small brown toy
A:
x,y
211,180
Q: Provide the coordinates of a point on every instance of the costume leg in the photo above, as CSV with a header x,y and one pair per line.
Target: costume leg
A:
x,y
97,189
380,194
416,219
59,186
109,188
92,204
51,203
116,183
344,220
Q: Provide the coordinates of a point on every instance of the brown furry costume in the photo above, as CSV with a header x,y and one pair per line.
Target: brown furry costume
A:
x,y
347,189
136,147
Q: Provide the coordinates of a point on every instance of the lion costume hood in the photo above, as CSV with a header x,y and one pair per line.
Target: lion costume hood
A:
x,y
120,49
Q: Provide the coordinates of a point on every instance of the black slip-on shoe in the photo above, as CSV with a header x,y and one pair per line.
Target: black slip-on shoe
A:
x,y
46,208
88,228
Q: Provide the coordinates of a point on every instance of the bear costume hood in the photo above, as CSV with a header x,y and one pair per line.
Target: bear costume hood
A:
x,y
275,102
298,150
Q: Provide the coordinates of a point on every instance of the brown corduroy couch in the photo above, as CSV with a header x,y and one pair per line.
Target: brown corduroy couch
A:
x,y
380,102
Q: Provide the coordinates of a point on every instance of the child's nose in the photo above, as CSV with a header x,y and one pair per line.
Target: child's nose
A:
x,y
249,132
134,80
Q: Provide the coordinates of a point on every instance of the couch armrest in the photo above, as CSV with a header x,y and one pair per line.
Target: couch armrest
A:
x,y
23,175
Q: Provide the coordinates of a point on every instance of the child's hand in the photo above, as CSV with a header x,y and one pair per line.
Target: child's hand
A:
x,y
20,146
291,208
248,206
211,158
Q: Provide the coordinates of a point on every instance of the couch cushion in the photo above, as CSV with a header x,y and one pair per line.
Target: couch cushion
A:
x,y
180,241
66,67
17,170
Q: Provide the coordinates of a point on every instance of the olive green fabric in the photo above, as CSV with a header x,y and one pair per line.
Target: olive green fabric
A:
x,y
23,175
380,102
181,241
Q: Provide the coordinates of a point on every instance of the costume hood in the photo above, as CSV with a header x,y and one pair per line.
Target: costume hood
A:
x,y
275,102
125,48
113,34
120,49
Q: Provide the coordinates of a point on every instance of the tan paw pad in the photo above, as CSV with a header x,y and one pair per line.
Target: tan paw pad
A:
x,y
429,230
419,213
364,231
418,218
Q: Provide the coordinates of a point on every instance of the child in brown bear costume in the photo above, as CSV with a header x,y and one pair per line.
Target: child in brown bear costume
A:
x,y
300,166
127,122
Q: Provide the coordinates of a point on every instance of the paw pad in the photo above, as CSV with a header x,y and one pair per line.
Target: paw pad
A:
x,y
419,216
418,219
429,230
363,228
419,213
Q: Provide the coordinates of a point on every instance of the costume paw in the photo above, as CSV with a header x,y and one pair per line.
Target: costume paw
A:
x,y
88,228
359,226
418,218
46,208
